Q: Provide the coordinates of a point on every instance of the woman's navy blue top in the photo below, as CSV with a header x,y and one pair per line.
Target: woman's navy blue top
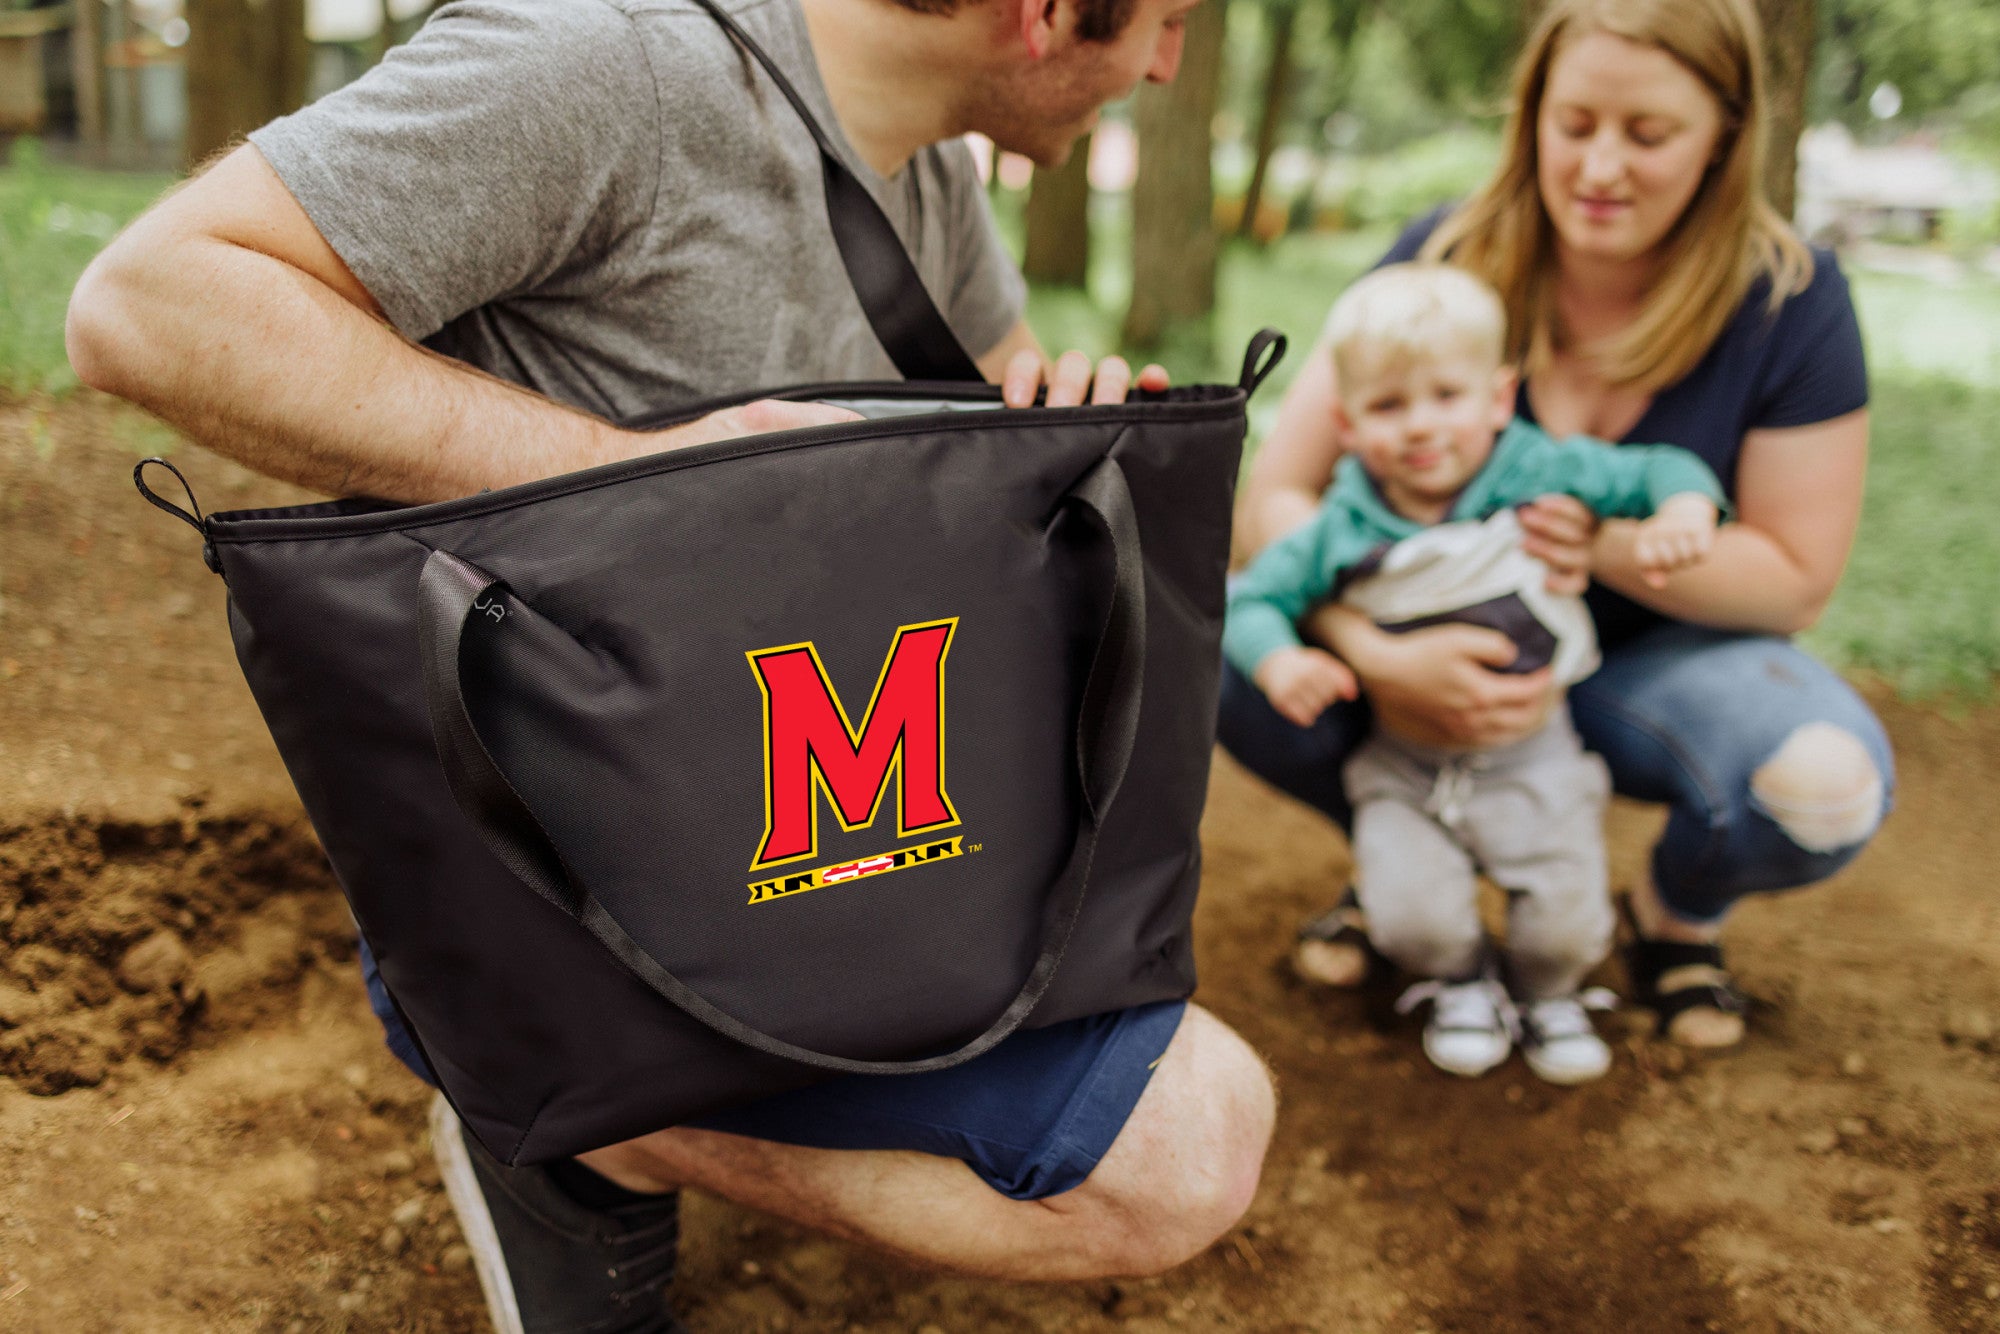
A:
x,y
1799,365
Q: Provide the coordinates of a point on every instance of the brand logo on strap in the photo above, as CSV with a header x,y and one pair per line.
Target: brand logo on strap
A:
x,y
811,747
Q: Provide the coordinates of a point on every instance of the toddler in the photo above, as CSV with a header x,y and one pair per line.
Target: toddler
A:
x,y
1418,529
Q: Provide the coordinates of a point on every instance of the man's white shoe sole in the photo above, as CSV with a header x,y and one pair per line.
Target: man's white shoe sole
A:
x,y
468,1201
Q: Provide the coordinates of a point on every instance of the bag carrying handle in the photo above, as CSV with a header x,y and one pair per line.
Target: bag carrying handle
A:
x,y
899,308
450,591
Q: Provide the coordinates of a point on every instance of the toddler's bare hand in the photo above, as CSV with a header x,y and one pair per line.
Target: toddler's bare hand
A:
x,y
1302,683
1678,535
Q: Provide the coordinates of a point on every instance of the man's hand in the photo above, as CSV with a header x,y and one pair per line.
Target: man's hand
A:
x,y
1558,530
1071,379
1678,535
1302,683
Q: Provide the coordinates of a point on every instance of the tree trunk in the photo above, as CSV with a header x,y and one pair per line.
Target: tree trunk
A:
x,y
120,86
1284,21
247,63
1058,249
1173,199
1788,45
86,66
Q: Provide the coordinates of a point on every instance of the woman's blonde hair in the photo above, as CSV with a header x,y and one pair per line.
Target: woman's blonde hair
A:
x,y
1726,238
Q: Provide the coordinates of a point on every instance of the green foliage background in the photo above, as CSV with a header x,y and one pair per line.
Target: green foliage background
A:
x,y
1943,56
52,220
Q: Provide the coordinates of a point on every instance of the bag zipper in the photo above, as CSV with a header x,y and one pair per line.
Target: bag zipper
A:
x,y
296,527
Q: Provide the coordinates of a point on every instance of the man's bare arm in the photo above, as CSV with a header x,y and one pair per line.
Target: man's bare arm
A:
x,y
223,311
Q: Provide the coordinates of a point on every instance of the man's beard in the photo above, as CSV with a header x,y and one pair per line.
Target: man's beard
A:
x,y
1024,119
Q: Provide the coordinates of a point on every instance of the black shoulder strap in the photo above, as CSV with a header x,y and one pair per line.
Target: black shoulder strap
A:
x,y
906,321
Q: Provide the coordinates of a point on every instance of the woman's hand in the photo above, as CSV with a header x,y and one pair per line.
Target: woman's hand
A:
x,y
1559,530
1440,686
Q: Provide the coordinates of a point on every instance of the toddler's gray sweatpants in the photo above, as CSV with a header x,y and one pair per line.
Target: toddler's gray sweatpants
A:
x,y
1530,815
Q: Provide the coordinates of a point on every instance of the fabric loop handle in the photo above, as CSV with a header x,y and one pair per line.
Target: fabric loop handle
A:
x,y
194,520
451,591
899,308
1264,340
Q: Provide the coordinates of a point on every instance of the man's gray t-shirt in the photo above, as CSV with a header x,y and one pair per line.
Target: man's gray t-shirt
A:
x,y
608,202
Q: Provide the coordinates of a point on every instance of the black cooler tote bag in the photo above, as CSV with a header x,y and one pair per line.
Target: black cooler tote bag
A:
x,y
689,779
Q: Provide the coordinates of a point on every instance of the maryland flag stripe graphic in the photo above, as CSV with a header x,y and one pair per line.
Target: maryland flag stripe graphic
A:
x,y
812,747
882,864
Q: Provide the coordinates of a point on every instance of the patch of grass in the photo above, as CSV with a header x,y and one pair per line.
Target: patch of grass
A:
x,y
1918,601
1921,326
52,221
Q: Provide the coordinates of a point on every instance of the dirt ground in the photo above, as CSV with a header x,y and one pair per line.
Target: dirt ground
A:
x,y
200,1130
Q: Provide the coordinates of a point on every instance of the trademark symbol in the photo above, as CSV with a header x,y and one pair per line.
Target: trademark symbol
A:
x,y
974,847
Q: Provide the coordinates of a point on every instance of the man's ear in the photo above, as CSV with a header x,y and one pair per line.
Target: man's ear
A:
x,y
1041,22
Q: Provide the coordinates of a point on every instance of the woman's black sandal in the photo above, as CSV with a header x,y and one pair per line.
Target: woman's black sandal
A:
x,y
1344,924
1648,960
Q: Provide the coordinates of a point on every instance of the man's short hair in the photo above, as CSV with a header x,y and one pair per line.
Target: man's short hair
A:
x,y
1096,20
1404,313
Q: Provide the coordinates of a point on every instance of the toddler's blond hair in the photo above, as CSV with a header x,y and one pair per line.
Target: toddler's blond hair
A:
x,y
1404,314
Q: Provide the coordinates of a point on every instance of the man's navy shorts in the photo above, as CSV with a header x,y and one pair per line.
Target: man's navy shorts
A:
x,y
1032,1116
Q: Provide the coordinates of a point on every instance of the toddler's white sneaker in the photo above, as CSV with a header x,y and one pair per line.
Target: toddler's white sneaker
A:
x,y
1558,1040
1472,1024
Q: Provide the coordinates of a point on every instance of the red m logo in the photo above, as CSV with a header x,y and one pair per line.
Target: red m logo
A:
x,y
810,746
